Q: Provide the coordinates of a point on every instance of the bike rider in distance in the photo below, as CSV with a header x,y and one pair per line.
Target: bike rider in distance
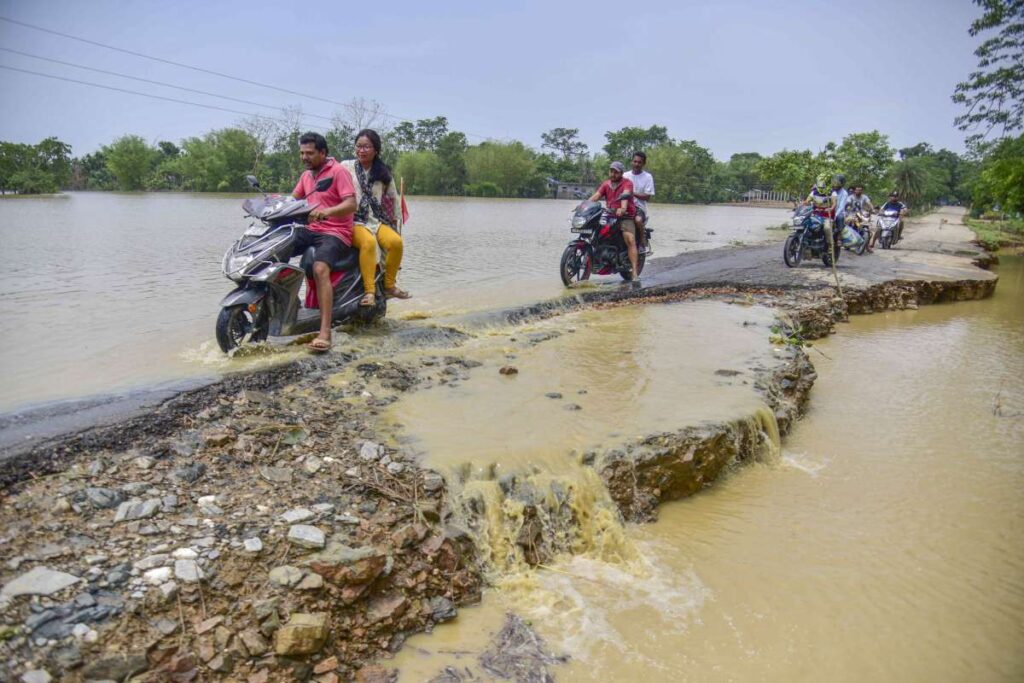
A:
x,y
859,203
643,189
894,204
329,230
617,193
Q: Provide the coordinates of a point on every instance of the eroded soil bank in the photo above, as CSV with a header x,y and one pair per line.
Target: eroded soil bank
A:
x,y
269,527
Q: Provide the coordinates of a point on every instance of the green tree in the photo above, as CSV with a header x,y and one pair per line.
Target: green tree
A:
x,y
1001,178
451,155
421,171
994,94
791,171
511,166
864,158
131,161
623,142
921,181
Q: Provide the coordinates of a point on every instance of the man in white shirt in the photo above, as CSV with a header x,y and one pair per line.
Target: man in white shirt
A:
x,y
643,189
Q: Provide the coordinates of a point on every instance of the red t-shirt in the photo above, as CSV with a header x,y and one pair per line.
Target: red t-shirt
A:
x,y
613,196
339,191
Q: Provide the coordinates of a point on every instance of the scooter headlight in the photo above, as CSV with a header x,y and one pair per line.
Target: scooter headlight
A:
x,y
234,263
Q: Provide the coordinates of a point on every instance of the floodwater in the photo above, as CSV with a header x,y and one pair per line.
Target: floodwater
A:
x,y
106,292
885,543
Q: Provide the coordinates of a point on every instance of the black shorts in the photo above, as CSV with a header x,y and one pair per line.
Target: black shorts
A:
x,y
328,248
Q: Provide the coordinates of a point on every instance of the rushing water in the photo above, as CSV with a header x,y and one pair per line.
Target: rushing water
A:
x,y
112,291
885,544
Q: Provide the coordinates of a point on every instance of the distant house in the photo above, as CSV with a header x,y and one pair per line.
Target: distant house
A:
x,y
560,190
757,195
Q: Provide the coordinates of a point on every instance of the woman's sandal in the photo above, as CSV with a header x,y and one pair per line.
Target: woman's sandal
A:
x,y
397,293
368,300
319,345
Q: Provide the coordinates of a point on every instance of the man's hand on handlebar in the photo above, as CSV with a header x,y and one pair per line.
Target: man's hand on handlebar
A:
x,y
620,211
317,215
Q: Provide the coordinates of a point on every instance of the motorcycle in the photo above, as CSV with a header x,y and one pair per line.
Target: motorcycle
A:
x,y
860,223
266,302
808,239
599,246
890,227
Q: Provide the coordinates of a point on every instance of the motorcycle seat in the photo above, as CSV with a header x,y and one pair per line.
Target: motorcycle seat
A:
x,y
348,261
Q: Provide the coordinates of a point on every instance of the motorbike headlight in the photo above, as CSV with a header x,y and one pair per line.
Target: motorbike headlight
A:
x,y
578,221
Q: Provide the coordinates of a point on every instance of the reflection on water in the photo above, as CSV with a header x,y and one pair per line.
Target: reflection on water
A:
x,y
885,544
109,291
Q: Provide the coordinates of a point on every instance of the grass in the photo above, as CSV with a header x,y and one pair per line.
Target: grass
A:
x,y
998,234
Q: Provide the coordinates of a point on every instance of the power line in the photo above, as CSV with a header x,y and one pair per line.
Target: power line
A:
x,y
210,71
141,94
147,80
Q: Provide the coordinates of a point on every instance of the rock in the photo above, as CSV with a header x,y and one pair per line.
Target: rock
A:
x,y
312,464
395,467
253,642
208,625
261,676
185,554
277,475
386,607
509,370
311,582
155,577
329,664
286,575
135,509
306,536
432,482
573,406
67,657
223,663
169,590
218,438
297,515
39,581
188,571
252,545
165,626
553,394
103,498
304,634
189,473
442,609
370,451
144,462
115,668
36,676
343,565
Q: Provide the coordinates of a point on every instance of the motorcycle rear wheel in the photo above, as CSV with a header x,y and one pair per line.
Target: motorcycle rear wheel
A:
x,y
236,326
792,253
641,259
575,265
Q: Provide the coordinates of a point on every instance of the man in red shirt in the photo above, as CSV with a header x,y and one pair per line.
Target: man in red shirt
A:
x,y
330,222
617,193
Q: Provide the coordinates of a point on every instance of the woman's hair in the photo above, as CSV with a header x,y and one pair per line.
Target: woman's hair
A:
x,y
379,171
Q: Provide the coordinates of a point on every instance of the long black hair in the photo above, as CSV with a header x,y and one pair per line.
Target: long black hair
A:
x,y
379,171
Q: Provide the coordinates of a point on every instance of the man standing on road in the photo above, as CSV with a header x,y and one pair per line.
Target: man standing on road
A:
x,y
617,193
327,186
643,189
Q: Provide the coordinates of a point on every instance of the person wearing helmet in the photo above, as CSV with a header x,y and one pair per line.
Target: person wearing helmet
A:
x,y
822,198
617,193
894,204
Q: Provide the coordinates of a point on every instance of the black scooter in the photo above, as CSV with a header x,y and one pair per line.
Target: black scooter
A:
x,y
266,302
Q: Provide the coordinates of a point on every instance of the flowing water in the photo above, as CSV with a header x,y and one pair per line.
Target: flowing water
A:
x,y
886,543
107,292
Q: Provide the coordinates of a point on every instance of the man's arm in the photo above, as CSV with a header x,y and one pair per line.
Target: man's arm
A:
x,y
647,191
299,192
597,194
346,207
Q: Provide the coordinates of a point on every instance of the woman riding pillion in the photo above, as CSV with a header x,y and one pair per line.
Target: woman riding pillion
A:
x,y
377,212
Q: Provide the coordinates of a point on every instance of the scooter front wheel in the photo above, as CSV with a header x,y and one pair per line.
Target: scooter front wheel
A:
x,y
237,326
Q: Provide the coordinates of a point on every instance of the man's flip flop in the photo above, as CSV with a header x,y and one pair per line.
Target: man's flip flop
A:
x,y
396,293
319,346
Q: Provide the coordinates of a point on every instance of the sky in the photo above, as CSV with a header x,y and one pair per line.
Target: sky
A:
x,y
735,76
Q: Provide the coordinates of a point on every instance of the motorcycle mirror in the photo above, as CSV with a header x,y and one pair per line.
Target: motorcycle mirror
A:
x,y
253,182
324,184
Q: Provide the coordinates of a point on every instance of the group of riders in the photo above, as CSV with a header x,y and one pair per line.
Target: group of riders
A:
x,y
832,202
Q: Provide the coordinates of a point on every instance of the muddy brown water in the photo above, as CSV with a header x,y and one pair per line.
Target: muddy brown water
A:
x,y
106,292
884,543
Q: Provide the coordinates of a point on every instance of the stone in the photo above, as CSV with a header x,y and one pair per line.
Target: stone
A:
x,y
306,536
218,438
39,581
253,642
509,370
311,582
223,663
304,634
188,571
286,575
312,464
370,451
66,657
386,607
115,668
297,515
103,498
432,482
151,561
261,676
209,624
189,473
169,590
166,626
185,554
554,395
343,565
395,467
155,577
135,509
252,545
442,609
144,462
36,676
277,475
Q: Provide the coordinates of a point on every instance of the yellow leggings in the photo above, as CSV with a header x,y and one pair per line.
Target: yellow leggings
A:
x,y
390,241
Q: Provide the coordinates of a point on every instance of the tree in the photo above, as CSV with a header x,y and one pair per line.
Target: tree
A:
x,y
422,172
864,158
130,160
790,171
685,172
994,94
429,132
921,181
451,154
739,174
1001,179
564,141
54,157
623,142
509,165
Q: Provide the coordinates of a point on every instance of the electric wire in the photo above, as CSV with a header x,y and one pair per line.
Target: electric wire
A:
x,y
152,82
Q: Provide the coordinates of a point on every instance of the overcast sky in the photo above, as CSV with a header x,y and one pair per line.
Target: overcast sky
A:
x,y
735,76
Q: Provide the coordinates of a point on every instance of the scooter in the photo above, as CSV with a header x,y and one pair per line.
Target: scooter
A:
x,y
599,246
860,223
266,302
890,227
